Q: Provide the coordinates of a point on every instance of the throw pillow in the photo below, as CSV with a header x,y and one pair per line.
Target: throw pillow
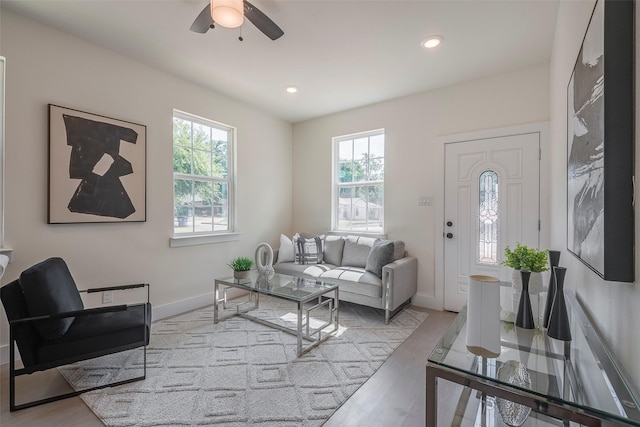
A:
x,y
48,288
285,253
356,251
381,254
333,247
398,249
308,250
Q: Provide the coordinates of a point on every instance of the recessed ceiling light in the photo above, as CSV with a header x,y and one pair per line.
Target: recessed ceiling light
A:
x,y
292,89
431,42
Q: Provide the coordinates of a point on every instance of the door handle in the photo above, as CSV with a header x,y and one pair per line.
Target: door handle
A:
x,y
449,235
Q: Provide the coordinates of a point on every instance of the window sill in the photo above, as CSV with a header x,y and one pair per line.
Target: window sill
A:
x,y
357,233
7,251
204,239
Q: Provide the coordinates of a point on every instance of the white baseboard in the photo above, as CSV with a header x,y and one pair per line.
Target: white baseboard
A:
x,y
182,306
189,304
426,301
158,312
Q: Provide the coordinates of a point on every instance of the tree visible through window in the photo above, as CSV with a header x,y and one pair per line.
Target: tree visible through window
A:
x,y
359,182
202,187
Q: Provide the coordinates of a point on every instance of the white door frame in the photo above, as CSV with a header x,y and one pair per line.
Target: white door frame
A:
x,y
436,301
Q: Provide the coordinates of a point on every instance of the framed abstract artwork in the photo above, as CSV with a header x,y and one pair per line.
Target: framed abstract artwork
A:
x,y
600,156
97,168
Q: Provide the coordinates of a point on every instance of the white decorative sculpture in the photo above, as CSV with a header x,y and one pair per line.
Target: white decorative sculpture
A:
x,y
483,316
264,252
4,260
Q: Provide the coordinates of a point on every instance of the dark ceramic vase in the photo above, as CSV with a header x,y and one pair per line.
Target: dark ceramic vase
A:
x,y
559,327
554,261
524,318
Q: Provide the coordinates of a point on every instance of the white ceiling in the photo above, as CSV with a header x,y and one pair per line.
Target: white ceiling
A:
x,y
341,53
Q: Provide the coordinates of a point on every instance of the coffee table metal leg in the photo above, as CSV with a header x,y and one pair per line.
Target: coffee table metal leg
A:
x,y
336,308
432,398
299,335
215,301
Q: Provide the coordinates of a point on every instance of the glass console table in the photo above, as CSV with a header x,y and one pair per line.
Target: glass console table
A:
x,y
569,383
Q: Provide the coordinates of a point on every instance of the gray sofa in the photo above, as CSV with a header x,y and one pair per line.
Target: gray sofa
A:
x,y
367,276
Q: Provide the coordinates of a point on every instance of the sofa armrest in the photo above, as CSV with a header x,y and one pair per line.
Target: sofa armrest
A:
x,y
399,281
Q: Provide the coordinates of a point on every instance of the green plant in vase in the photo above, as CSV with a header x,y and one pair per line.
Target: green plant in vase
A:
x,y
241,267
524,258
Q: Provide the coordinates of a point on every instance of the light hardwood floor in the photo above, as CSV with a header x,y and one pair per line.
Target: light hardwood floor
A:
x,y
394,396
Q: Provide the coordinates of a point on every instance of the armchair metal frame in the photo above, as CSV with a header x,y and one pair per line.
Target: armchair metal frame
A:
x,y
13,372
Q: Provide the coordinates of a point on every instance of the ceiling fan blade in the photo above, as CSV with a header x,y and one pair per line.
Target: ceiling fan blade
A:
x,y
261,21
203,22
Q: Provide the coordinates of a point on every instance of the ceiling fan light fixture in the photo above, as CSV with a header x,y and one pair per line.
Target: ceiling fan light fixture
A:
x,y
227,13
431,42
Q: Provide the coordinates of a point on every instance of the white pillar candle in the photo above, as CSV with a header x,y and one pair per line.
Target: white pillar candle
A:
x,y
483,316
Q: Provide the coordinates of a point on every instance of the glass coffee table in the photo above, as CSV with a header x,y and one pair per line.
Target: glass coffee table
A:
x,y
556,383
309,295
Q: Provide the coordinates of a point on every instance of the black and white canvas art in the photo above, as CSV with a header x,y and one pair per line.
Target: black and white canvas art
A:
x,y
585,166
600,146
97,169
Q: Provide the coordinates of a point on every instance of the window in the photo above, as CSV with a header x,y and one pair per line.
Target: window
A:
x,y
202,175
358,203
488,218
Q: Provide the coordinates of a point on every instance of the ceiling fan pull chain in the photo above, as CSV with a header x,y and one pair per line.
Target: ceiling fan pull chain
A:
x,y
240,37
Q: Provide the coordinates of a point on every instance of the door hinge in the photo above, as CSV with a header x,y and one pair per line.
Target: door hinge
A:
x,y
539,225
539,153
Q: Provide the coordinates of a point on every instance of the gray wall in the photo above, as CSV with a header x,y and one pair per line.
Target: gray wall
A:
x,y
414,157
612,305
47,66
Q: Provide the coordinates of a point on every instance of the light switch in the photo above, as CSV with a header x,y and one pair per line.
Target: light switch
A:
x,y
425,201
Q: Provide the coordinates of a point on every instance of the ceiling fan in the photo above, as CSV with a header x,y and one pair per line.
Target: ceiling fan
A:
x,y
205,20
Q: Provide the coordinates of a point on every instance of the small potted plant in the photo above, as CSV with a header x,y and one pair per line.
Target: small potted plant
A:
x,y
241,267
524,258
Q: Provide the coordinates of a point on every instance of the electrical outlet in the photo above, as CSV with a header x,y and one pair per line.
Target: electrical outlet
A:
x,y
107,297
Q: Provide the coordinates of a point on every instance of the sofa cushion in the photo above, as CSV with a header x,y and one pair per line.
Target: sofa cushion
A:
x,y
381,254
48,288
398,249
308,250
333,248
292,269
355,280
356,251
285,253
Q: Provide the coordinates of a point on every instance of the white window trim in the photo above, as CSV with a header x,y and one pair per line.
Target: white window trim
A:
x,y
2,161
336,185
203,238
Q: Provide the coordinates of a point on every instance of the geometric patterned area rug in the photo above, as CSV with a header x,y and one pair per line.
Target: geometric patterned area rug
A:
x,y
238,372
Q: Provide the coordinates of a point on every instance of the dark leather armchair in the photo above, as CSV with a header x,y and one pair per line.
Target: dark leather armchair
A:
x,y
51,327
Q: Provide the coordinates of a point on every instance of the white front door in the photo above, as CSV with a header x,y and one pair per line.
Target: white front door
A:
x,y
492,200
